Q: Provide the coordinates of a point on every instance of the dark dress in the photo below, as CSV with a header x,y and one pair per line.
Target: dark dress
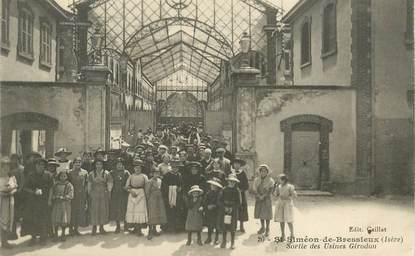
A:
x,y
211,215
229,203
36,214
243,186
191,180
79,180
175,215
194,220
119,195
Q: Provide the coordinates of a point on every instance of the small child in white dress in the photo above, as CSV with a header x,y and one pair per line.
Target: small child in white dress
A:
x,y
284,208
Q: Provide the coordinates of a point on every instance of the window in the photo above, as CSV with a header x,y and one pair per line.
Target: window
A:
x,y
329,36
25,44
306,42
5,22
45,43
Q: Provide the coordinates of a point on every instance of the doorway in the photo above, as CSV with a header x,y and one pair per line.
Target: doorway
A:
x,y
306,151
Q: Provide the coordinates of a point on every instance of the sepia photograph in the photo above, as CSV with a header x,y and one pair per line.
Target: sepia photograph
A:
x,y
207,127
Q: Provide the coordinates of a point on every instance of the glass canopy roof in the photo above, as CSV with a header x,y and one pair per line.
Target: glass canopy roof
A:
x,y
172,35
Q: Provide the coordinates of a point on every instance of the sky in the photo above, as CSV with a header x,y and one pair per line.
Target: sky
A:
x,y
286,4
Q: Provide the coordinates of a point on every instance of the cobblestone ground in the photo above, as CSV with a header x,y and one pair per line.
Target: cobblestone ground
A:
x,y
316,217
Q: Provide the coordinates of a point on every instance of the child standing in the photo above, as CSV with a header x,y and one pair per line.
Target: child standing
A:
x,y
155,204
229,203
60,198
263,187
211,209
194,221
137,203
284,206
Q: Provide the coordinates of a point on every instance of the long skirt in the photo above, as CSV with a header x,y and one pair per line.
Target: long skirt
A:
x,y
243,209
6,212
61,213
156,210
263,209
99,209
137,208
284,211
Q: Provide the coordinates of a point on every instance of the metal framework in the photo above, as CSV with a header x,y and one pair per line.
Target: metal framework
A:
x,y
172,35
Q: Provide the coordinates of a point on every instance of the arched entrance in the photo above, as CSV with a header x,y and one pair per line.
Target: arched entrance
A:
x,y
25,132
180,107
306,150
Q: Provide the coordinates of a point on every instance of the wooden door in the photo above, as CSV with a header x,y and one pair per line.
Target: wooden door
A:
x,y
305,168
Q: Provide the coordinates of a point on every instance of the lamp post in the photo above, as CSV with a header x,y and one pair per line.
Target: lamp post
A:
x,y
96,42
245,44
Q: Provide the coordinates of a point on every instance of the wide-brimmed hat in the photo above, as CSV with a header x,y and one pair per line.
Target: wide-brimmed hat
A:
x,y
202,145
143,146
52,161
41,160
63,151
239,160
163,147
218,150
195,188
216,182
232,177
264,166
138,162
100,151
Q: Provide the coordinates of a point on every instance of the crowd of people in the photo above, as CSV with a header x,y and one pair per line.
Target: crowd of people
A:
x,y
177,179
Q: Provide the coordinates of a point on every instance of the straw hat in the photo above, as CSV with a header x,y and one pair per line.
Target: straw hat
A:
x,y
220,150
63,151
52,161
100,151
194,164
216,182
41,160
163,147
264,166
232,177
195,188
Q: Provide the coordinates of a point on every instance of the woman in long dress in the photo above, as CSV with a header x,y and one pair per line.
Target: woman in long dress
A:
x,y
36,214
99,189
263,187
119,194
60,198
137,203
79,179
155,204
8,187
243,186
171,189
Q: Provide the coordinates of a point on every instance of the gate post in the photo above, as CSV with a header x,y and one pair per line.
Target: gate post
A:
x,y
244,81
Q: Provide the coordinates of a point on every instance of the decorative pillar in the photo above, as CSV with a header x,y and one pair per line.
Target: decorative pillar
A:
x,y
69,60
244,111
82,17
270,30
98,76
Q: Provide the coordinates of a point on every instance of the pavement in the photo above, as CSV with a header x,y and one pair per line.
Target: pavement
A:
x,y
322,218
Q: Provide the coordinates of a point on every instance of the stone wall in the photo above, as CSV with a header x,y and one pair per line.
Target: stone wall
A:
x,y
78,107
336,105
